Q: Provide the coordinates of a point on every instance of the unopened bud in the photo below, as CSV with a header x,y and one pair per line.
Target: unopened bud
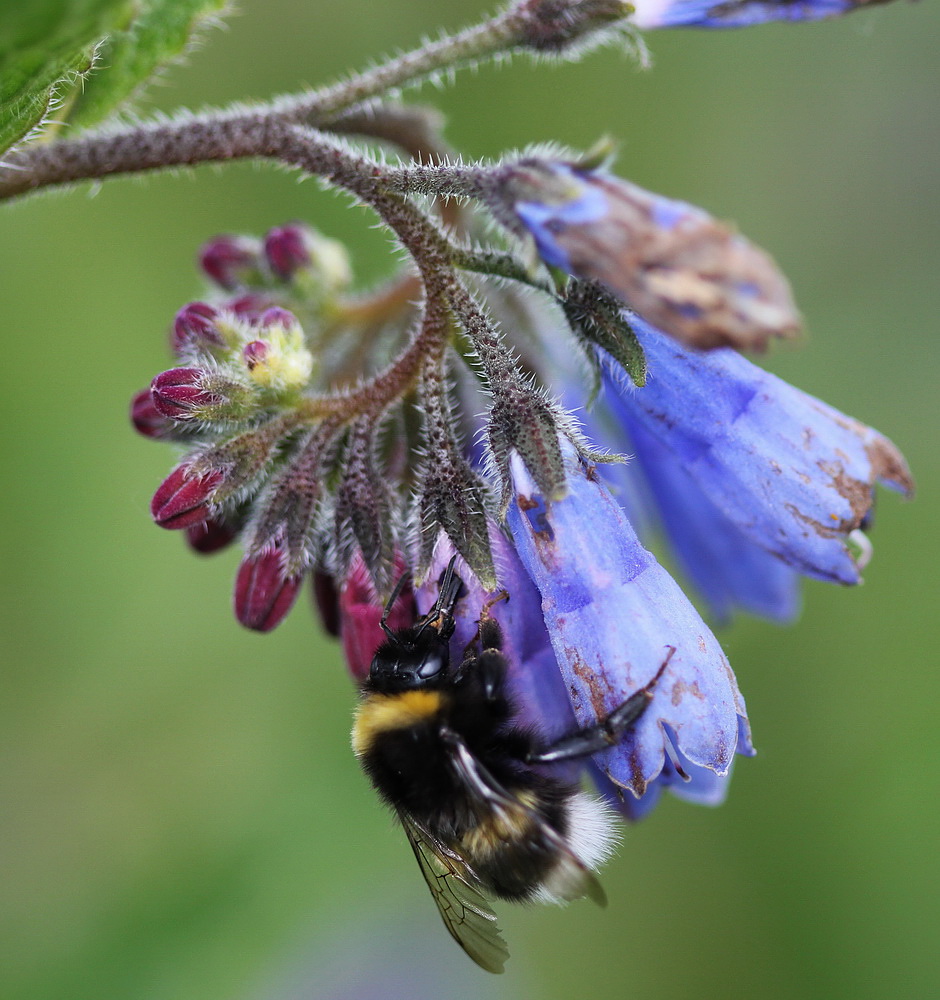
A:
x,y
194,329
199,394
281,361
179,392
183,498
297,252
255,353
263,592
326,602
360,611
210,535
249,306
146,418
232,261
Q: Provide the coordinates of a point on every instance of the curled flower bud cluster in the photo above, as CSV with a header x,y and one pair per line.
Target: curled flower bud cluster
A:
x,y
235,403
291,265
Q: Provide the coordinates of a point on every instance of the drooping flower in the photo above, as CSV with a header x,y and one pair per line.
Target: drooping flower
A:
x,y
728,568
737,13
791,474
686,273
613,614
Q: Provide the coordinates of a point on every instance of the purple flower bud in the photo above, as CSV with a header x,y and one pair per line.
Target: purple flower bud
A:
x,y
194,329
210,535
264,593
250,306
146,418
736,13
685,273
179,392
255,352
326,602
284,319
231,261
286,249
360,610
183,498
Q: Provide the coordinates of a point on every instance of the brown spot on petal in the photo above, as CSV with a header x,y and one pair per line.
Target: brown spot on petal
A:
x,y
888,465
595,680
680,688
855,492
637,781
824,530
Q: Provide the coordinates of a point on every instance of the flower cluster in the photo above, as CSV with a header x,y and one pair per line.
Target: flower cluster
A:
x,y
367,439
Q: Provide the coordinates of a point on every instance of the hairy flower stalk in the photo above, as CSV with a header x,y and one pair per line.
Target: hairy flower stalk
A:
x,y
371,438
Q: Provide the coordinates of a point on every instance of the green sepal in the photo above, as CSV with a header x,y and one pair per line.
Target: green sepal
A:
x,y
452,500
364,504
597,317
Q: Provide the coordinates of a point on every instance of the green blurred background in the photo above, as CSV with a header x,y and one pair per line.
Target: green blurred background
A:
x,y
181,815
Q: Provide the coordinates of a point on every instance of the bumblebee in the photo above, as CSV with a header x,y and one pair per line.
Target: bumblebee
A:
x,y
473,789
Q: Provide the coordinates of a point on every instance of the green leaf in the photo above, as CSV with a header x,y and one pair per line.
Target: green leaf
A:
x,y
160,34
43,44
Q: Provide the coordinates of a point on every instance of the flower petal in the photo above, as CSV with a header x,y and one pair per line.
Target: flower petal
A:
x,y
727,567
793,474
737,13
695,278
612,613
537,689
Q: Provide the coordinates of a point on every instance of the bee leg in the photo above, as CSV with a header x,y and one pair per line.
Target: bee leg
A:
x,y
450,588
604,734
489,635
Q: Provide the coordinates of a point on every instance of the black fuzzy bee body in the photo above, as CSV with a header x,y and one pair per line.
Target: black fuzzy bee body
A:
x,y
481,808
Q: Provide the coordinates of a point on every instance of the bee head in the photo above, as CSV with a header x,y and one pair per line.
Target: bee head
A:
x,y
413,658
418,656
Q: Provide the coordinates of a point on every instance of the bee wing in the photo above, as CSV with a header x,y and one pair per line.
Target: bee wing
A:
x,y
456,890
571,878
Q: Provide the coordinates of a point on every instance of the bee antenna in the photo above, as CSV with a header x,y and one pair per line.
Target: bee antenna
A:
x,y
383,621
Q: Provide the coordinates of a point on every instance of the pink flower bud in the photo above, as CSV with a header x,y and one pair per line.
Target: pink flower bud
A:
x,y
360,611
326,601
178,392
250,305
194,328
276,316
231,261
263,592
183,498
255,353
286,250
210,535
146,418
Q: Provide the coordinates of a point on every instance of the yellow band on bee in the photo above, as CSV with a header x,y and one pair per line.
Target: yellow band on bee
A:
x,y
382,712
